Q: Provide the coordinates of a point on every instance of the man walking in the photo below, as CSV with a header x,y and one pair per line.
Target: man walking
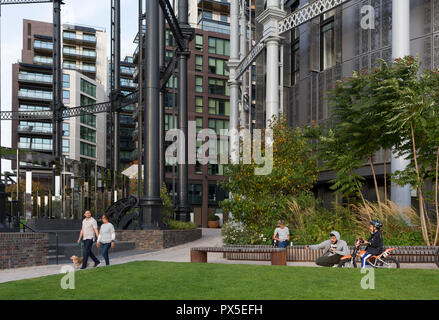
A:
x,y
88,232
333,250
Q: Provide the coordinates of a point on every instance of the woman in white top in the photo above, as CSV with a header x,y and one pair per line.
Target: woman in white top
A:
x,y
281,234
107,235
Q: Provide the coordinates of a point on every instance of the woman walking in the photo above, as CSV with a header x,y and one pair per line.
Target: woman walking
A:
x,y
106,237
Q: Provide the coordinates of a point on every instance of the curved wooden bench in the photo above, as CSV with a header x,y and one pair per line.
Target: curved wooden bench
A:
x,y
278,255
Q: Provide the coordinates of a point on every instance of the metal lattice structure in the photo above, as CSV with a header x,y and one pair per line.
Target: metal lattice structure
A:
x,y
293,20
2,2
69,112
307,13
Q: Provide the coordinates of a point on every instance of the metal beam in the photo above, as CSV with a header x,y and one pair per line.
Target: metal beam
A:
x,y
2,2
173,23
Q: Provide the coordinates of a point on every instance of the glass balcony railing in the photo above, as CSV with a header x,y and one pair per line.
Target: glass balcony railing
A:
x,y
35,77
35,94
35,129
87,68
35,146
43,45
43,60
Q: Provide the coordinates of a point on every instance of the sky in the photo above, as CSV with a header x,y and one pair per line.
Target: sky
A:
x,y
94,13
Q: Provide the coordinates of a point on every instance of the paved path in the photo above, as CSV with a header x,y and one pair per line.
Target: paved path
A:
x,y
181,253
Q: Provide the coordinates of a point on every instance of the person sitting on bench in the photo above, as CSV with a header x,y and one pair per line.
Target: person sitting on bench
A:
x,y
333,250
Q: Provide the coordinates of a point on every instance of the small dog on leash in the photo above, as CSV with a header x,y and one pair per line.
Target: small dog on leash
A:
x,y
77,261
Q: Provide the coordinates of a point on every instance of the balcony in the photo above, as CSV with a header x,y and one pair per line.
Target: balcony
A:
x,y
43,60
35,78
44,47
222,6
32,95
72,37
35,130
76,54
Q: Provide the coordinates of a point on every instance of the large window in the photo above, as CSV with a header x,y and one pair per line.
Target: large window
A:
x,y
327,41
218,86
295,56
169,38
35,127
66,96
25,107
35,143
195,193
43,60
199,104
88,88
35,77
199,124
88,119
219,107
65,129
198,84
65,145
66,80
170,122
219,46
199,42
35,94
88,134
218,66
88,150
199,63
217,125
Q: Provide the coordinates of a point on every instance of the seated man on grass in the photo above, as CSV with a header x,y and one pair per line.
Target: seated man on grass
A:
x,y
333,250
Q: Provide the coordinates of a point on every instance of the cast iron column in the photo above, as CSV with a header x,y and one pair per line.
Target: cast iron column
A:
x,y
2,185
400,48
139,104
57,79
151,204
182,185
162,45
117,87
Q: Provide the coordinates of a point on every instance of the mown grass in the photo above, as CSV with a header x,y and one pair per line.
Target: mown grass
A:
x,y
197,281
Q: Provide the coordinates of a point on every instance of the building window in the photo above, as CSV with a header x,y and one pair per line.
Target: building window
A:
x,y
170,122
217,125
43,60
69,65
66,80
327,41
219,46
215,169
172,82
218,66
195,193
88,150
35,143
88,134
198,84
88,88
66,96
169,38
218,86
219,107
35,127
29,29
199,63
199,124
199,104
66,129
199,42
65,145
295,62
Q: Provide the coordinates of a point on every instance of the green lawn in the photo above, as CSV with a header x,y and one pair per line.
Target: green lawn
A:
x,y
194,281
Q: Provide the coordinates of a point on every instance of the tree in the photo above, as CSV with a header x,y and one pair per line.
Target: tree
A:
x,y
258,201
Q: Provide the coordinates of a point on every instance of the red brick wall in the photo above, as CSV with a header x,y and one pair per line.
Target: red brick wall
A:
x,y
158,239
23,249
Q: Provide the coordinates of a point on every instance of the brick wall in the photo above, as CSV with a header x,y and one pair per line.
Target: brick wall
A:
x,y
158,239
23,249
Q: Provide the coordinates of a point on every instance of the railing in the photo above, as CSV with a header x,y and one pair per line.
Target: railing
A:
x,y
26,226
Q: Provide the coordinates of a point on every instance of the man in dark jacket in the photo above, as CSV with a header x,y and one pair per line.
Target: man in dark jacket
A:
x,y
375,242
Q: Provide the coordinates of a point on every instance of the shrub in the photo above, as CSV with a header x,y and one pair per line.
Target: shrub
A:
x,y
181,225
213,217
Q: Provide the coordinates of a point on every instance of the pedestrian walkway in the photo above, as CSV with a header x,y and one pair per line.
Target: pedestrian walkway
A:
x,y
181,253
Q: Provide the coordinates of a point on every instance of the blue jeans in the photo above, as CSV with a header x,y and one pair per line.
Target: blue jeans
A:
x,y
283,244
88,243
105,248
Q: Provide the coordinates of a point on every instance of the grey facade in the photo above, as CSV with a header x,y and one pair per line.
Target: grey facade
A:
x,y
306,82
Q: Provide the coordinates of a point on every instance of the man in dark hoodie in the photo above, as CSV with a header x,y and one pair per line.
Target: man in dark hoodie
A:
x,y
375,242
333,250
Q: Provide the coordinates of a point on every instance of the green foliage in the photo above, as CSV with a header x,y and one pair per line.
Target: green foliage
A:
x,y
168,206
180,225
258,201
213,217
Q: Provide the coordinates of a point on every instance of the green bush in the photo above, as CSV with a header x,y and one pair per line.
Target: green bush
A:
x,y
213,217
180,225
